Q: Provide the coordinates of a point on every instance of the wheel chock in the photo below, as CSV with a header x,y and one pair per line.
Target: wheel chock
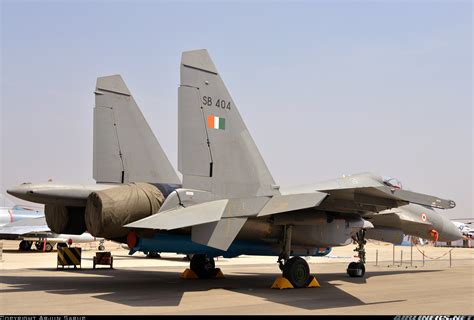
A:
x,y
313,283
188,274
282,283
219,274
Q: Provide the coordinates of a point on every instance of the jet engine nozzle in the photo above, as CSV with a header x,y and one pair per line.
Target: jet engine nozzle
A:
x,y
434,234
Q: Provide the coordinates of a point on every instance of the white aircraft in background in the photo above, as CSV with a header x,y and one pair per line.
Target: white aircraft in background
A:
x,y
29,225
465,229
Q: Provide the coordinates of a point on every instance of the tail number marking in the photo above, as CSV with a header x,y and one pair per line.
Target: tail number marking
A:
x,y
220,103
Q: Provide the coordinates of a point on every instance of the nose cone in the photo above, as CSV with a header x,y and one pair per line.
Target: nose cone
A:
x,y
450,232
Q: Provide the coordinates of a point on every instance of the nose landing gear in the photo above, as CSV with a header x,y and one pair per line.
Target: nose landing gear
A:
x,y
357,269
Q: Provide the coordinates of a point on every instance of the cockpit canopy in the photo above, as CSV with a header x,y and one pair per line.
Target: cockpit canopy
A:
x,y
392,182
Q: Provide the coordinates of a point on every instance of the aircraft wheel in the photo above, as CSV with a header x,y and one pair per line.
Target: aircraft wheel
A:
x,y
154,255
296,270
188,257
203,266
356,270
39,245
101,248
25,245
49,247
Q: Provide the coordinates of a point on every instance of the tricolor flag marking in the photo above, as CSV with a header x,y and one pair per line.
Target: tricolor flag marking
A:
x,y
214,122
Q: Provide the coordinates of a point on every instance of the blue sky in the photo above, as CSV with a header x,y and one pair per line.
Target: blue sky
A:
x,y
326,87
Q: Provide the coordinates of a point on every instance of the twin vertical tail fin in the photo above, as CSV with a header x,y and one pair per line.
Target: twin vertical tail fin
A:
x,y
125,148
215,150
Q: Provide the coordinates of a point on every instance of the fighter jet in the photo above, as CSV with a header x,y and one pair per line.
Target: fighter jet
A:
x,y
228,203
228,192
465,228
9,212
29,226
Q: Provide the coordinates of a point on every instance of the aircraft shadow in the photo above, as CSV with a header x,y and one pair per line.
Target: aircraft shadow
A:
x,y
142,288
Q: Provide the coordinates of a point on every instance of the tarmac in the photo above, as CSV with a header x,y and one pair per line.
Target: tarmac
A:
x,y
30,284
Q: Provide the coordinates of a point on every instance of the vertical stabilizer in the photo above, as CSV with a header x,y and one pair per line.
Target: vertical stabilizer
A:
x,y
125,148
215,150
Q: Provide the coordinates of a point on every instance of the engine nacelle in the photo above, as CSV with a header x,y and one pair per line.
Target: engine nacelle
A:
x,y
108,210
332,233
65,219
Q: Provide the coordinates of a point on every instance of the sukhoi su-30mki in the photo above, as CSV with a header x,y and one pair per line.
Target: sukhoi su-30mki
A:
x,y
228,203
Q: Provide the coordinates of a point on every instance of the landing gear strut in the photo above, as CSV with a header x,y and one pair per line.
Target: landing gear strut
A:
x,y
203,266
153,255
40,246
295,269
25,245
101,245
61,245
357,269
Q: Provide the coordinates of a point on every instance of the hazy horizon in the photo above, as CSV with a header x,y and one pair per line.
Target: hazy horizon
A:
x,y
325,88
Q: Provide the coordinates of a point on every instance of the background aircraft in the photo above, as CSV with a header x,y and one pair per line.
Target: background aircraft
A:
x,y
29,226
465,228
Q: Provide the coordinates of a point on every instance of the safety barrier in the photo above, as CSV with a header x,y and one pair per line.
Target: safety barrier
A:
x,y
69,257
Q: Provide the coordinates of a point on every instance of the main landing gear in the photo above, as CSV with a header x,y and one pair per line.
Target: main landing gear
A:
x,y
40,246
25,245
203,266
295,269
357,269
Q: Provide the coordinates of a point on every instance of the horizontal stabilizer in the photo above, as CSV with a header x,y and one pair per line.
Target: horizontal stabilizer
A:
x,y
184,217
57,194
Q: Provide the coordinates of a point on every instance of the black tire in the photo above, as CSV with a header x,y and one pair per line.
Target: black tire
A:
x,y
153,255
61,245
356,270
203,266
49,247
101,248
25,245
296,270
39,245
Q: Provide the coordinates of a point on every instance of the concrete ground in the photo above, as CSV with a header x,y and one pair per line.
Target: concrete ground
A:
x,y
30,284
